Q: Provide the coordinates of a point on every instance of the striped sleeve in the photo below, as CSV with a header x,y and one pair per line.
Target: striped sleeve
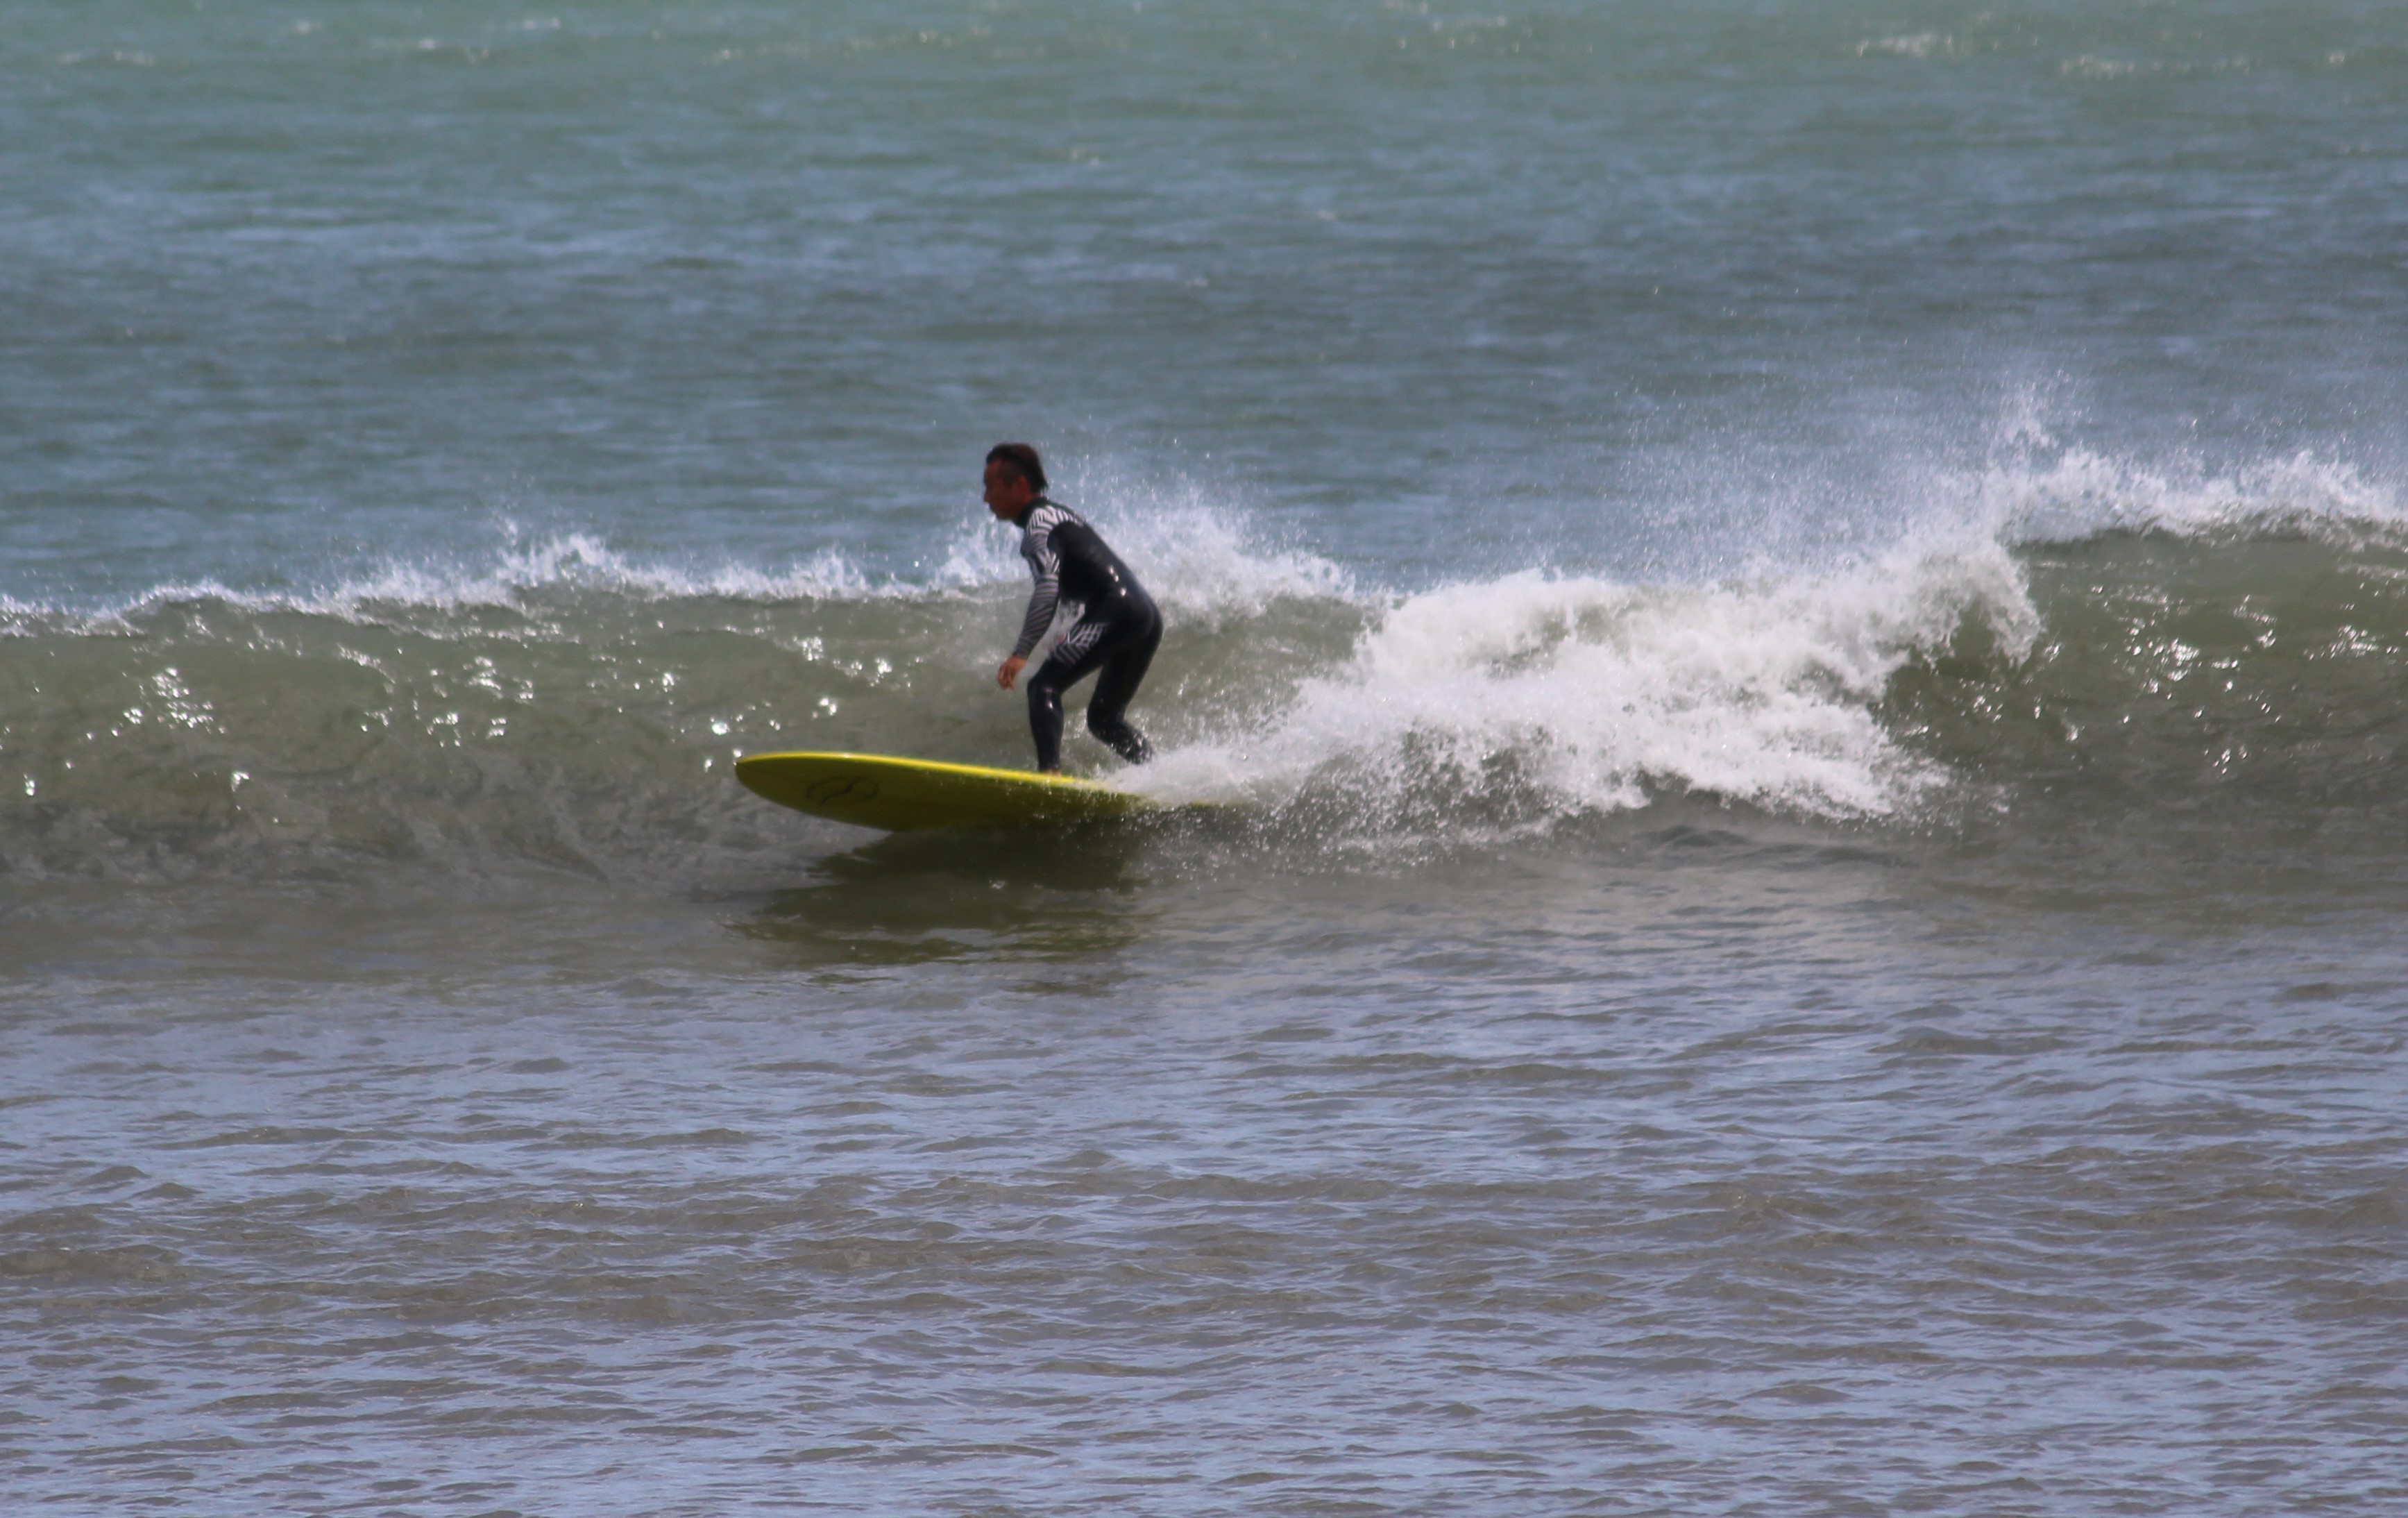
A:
x,y
1037,547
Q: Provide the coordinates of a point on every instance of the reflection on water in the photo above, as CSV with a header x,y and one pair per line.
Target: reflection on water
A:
x,y
1069,892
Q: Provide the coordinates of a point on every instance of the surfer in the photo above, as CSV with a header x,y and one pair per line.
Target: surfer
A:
x,y
1118,627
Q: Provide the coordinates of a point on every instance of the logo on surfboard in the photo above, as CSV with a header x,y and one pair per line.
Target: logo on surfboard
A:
x,y
852,789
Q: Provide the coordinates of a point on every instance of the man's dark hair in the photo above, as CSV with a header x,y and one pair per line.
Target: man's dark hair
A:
x,y
1021,460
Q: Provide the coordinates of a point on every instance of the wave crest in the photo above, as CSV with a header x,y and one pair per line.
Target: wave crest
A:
x,y
1202,565
2079,494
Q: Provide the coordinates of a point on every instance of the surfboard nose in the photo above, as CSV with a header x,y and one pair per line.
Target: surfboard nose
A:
x,y
900,794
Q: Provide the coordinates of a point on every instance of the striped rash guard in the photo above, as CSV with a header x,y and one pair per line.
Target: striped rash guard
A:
x,y
1072,562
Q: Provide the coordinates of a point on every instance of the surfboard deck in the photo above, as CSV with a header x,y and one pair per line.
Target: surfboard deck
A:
x,y
913,795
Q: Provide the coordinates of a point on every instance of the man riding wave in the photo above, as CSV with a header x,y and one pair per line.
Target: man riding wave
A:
x,y
1118,627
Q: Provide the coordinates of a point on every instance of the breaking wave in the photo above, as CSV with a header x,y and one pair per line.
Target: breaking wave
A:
x,y
2132,644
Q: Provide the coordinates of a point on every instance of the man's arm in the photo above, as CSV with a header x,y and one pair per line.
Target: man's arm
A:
x,y
1047,566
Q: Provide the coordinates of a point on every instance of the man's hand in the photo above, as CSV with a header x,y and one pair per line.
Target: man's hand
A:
x,y
1008,671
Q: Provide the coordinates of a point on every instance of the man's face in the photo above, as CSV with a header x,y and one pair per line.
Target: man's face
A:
x,y
1007,493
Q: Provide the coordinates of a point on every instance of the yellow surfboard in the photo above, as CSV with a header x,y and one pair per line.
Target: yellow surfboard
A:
x,y
909,796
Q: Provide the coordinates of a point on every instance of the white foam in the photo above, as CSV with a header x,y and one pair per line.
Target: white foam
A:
x,y
579,560
1759,692
510,578
1914,45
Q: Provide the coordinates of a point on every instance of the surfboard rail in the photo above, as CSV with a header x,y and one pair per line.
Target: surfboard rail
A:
x,y
900,794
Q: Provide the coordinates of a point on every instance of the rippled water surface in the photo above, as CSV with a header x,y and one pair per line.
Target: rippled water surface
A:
x,y
1790,622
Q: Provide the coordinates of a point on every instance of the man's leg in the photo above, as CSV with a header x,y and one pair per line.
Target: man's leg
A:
x,y
1081,650
1073,659
1125,665
1045,712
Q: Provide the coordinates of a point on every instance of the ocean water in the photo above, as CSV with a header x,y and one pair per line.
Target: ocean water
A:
x,y
1798,615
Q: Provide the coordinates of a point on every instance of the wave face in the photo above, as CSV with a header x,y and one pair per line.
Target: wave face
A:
x,y
2243,670
562,707
2181,658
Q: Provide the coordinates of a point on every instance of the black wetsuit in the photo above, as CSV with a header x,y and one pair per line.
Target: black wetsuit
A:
x,y
1117,630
